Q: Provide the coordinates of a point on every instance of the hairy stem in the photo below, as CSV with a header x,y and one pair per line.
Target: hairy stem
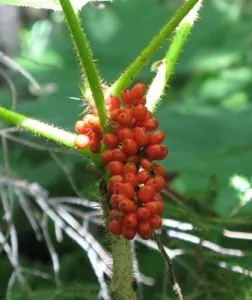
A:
x,y
122,283
131,72
47,131
87,62
166,67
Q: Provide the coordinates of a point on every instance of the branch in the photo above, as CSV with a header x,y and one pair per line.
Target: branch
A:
x,y
86,60
47,131
131,72
166,67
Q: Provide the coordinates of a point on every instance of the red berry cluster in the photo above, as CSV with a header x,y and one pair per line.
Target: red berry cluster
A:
x,y
135,180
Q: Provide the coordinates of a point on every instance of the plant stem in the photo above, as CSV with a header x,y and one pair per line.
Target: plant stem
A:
x,y
131,72
166,67
121,287
86,60
47,131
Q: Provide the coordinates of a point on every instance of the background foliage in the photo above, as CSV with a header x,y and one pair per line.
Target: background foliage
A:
x,y
207,116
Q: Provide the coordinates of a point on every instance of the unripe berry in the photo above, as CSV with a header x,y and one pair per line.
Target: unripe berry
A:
x,y
81,141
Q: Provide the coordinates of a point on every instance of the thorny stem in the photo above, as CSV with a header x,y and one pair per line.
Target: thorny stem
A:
x,y
131,72
166,67
174,281
47,131
86,60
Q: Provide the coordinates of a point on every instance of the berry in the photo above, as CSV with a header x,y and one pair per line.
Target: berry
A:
x,y
106,157
129,233
127,97
143,214
130,220
113,102
138,90
146,164
129,167
156,222
127,205
139,112
126,189
131,178
145,230
115,227
141,136
125,133
81,141
157,137
110,140
115,167
118,155
143,176
146,193
150,123
130,146
125,118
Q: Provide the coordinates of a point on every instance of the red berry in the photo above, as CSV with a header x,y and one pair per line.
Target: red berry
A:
x,y
164,152
138,90
146,193
161,181
95,145
106,157
129,233
115,227
143,176
125,133
154,151
125,118
143,214
129,167
114,200
159,207
130,220
146,164
118,155
140,112
157,197
130,147
113,102
114,114
110,140
115,167
151,206
149,123
81,141
126,189
156,222
131,178
160,170
145,230
141,136
134,159
157,137
127,205
126,97
141,100
154,183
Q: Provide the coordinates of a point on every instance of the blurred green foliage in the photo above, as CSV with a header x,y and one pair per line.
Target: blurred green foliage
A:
x,y
207,114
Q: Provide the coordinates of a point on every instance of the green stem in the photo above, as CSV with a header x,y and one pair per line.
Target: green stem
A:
x,y
87,62
121,287
166,67
131,72
47,131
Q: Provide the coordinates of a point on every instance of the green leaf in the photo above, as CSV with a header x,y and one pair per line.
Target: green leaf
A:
x,y
47,4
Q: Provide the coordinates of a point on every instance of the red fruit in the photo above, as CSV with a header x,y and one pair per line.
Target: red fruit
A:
x,y
140,112
110,140
134,159
164,152
151,206
81,141
118,155
91,120
143,176
157,197
130,220
114,179
146,164
113,102
114,114
141,136
138,90
125,133
95,145
150,123
80,127
119,216
129,167
141,100
125,118
161,182
144,229
129,233
131,178
127,205
106,157
160,170
126,96
115,167
157,137
112,214
115,227
156,222
154,151
116,187
159,207
126,189
130,146
114,200
143,214
154,183
146,193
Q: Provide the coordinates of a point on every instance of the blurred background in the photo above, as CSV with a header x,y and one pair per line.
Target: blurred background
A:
x,y
206,113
